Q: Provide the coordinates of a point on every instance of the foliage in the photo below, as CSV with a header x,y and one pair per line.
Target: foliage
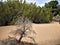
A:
x,y
54,5
59,9
11,10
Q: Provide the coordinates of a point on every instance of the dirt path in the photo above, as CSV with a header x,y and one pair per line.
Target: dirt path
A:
x,y
46,34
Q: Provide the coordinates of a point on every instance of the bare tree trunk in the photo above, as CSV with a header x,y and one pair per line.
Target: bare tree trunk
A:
x,y
59,21
23,29
20,39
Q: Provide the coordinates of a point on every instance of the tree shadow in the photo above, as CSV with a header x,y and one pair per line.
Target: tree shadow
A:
x,y
27,43
21,43
14,41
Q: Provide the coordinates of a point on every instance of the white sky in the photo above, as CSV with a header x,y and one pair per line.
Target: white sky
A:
x,y
38,2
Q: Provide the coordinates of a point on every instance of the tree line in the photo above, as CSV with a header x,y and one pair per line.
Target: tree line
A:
x,y
11,10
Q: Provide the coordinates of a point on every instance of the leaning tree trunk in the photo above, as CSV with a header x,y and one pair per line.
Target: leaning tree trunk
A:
x,y
20,39
59,21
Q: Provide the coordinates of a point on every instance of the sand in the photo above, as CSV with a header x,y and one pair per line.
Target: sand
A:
x,y
46,34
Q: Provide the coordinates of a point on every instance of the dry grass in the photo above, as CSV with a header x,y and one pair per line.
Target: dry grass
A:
x,y
46,34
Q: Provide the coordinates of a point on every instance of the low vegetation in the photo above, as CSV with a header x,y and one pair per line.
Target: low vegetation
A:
x,y
10,10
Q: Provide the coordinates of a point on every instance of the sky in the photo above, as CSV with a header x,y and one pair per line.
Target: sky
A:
x,y
40,2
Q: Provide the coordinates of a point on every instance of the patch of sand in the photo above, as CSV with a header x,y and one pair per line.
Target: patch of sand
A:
x,y
46,34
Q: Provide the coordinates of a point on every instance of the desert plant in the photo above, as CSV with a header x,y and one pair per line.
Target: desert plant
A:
x,y
24,27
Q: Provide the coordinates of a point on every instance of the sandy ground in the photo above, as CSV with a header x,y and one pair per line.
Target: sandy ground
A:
x,y
46,34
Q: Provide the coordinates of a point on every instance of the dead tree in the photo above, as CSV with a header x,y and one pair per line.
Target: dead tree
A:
x,y
24,27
